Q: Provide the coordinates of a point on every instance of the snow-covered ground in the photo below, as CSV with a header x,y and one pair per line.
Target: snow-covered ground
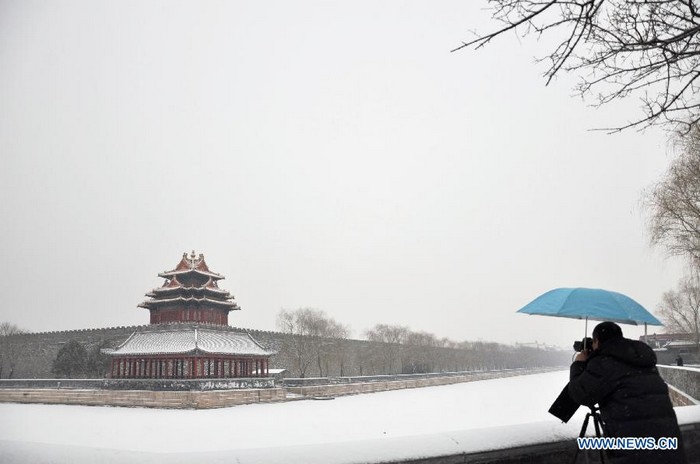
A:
x,y
432,421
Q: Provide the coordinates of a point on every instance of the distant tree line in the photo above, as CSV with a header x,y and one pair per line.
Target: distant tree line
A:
x,y
318,345
310,344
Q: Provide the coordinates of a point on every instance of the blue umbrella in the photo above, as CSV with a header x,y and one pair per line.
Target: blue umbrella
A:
x,y
590,303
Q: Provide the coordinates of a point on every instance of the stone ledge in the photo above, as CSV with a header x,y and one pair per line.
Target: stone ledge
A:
x,y
144,398
550,453
343,389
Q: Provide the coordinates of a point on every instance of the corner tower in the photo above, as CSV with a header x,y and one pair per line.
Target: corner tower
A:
x,y
189,336
190,294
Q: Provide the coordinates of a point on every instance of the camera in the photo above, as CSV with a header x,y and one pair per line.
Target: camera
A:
x,y
587,342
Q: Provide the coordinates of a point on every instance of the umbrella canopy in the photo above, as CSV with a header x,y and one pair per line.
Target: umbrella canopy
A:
x,y
590,303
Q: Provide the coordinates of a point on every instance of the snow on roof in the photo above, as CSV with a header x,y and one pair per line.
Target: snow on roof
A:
x,y
191,299
191,264
680,343
189,340
213,275
202,288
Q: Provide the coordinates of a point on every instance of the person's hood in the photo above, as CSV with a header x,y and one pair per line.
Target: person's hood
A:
x,y
632,352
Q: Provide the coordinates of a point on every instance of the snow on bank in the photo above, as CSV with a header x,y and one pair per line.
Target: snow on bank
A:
x,y
467,417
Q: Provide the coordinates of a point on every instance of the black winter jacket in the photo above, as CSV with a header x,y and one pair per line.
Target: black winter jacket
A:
x,y
621,377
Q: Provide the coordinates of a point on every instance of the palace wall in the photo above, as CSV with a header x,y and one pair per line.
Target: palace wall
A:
x,y
34,353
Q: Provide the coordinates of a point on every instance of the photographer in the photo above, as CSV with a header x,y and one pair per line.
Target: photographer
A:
x,y
620,376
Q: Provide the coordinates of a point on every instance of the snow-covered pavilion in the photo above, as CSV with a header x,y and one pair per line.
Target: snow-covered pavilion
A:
x,y
189,336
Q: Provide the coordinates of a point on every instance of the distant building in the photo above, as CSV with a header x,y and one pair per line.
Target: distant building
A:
x,y
188,335
665,340
669,347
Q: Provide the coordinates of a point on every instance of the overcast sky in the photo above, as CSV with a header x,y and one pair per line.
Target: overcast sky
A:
x,y
332,155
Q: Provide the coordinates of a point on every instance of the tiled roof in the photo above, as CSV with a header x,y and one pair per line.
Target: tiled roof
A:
x,y
213,275
190,340
179,299
191,289
191,264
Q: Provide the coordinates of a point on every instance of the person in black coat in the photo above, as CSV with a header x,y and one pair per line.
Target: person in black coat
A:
x,y
620,376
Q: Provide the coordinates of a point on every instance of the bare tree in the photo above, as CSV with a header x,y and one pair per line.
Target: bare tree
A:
x,y
680,308
9,347
674,202
312,335
422,354
391,337
619,48
337,353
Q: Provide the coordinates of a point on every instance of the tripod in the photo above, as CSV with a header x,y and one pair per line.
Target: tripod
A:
x,y
597,424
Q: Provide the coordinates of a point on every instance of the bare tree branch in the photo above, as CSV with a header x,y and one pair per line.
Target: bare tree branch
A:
x,y
619,48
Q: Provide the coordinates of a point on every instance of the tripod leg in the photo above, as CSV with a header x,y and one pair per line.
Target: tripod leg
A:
x,y
584,427
582,434
598,425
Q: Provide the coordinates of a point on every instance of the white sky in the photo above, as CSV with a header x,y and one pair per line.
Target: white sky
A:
x,y
323,154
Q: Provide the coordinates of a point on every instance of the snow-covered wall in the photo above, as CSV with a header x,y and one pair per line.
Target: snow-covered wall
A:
x,y
685,379
32,354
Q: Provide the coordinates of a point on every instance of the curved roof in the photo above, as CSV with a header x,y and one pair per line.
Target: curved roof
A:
x,y
192,264
190,340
